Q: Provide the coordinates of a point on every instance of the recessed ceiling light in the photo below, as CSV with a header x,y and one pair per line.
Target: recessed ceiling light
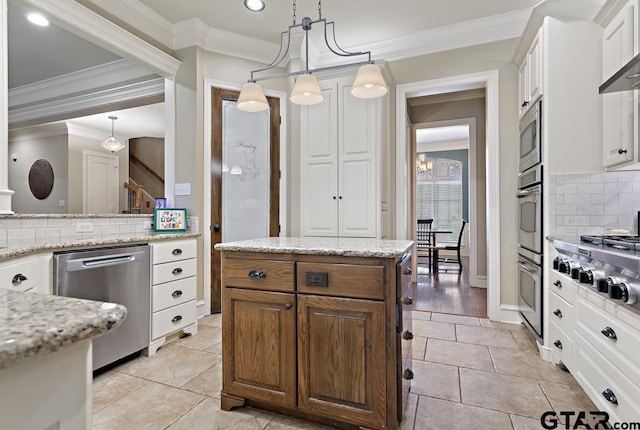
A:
x,y
37,19
254,5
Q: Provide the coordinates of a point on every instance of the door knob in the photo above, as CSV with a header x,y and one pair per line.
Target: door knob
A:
x,y
216,227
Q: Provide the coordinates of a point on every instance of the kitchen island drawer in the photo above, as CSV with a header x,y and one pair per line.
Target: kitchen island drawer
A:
x,y
561,313
31,273
562,285
173,318
344,280
173,271
173,293
175,250
257,274
561,346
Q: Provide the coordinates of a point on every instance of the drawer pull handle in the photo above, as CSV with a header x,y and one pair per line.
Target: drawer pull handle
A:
x,y
257,274
317,279
408,300
558,313
407,335
608,332
558,344
176,293
558,284
610,396
176,271
177,251
407,374
176,318
18,279
408,271
288,306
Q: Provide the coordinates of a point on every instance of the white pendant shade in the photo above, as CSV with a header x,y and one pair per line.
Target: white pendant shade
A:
x,y
112,144
236,170
306,91
369,83
252,98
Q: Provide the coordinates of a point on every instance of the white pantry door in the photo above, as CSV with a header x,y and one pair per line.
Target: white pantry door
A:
x,y
100,183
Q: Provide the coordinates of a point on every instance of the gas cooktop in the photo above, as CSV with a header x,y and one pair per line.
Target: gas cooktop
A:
x,y
618,243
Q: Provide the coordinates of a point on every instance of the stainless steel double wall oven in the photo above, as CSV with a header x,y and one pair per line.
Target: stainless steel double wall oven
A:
x,y
530,233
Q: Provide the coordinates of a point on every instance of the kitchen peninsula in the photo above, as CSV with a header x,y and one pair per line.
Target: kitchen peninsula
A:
x,y
315,328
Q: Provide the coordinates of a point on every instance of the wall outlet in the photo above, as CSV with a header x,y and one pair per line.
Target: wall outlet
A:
x,y
84,227
148,225
183,189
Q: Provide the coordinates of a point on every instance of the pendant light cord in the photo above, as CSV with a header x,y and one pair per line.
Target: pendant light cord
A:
x,y
319,10
294,12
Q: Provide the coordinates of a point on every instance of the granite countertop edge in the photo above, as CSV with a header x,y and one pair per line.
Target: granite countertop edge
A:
x,y
371,248
29,246
59,322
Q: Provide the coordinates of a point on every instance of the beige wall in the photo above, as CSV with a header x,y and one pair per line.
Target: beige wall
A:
x,y
491,56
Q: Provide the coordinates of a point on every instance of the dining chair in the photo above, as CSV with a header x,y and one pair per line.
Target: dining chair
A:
x,y
424,238
456,248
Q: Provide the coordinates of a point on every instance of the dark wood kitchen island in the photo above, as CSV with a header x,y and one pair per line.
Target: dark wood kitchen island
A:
x,y
314,328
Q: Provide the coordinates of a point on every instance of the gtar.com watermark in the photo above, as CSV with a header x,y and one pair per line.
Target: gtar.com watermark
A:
x,y
583,420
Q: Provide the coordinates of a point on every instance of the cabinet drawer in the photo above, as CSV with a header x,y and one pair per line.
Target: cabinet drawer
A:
x,y
561,313
562,285
174,250
561,346
173,293
32,273
404,276
259,274
345,280
596,374
172,319
173,271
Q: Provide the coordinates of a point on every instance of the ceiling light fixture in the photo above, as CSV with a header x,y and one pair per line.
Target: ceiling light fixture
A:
x,y
112,144
37,19
369,81
254,5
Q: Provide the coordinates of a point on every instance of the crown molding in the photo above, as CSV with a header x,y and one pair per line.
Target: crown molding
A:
x,y
92,133
87,24
36,132
101,76
608,11
85,102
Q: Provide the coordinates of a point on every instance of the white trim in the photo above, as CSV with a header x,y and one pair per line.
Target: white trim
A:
x,y
482,282
169,138
45,130
87,24
5,192
510,314
82,80
64,107
91,132
490,80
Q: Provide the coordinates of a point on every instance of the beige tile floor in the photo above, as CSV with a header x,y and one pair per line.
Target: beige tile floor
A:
x,y
471,373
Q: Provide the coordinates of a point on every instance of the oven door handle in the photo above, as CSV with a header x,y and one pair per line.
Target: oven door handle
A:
x,y
524,193
534,270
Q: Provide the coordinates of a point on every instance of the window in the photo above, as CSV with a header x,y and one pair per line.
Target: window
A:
x,y
439,194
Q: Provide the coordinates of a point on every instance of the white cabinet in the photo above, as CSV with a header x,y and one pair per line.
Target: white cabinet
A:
x,y
561,318
619,110
30,273
173,290
340,163
531,73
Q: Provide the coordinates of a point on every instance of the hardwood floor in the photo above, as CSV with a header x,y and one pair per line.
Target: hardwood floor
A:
x,y
448,292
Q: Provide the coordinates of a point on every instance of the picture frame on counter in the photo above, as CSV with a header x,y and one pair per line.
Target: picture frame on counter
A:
x,y
169,220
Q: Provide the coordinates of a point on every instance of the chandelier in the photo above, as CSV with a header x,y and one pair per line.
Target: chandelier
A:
x,y
369,82
112,144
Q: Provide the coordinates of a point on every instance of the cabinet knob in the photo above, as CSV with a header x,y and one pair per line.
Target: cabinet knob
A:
x,y
610,396
407,335
288,306
176,318
558,313
257,274
608,332
408,271
408,300
340,197
407,374
525,103
177,271
334,197
18,279
176,293
558,284
558,344
622,151
177,251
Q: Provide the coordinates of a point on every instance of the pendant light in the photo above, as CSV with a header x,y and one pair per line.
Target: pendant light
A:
x,y
112,144
369,82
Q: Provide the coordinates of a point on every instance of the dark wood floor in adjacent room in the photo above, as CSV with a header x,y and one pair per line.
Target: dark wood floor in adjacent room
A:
x,y
448,292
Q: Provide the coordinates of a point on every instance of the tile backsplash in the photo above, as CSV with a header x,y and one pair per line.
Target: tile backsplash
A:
x,y
593,203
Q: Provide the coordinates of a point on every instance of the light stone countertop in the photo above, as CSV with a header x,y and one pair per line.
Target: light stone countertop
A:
x,y
33,325
18,248
351,247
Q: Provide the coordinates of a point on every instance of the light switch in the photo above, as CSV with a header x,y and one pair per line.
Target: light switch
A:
x,y
183,189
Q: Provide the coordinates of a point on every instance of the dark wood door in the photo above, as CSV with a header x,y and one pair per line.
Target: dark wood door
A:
x,y
259,345
218,96
341,359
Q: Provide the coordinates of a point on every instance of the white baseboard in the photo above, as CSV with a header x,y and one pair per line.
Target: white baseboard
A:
x,y
478,282
202,309
545,353
509,314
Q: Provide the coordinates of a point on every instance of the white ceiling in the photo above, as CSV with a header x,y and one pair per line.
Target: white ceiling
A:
x,y
143,121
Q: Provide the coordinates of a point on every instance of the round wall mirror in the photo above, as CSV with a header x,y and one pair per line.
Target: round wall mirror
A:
x,y
41,179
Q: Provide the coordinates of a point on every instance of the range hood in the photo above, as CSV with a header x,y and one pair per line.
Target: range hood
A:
x,y
625,79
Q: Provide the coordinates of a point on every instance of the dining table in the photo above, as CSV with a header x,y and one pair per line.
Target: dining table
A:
x,y
434,249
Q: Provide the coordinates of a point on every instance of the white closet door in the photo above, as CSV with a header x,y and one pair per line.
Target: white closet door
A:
x,y
100,190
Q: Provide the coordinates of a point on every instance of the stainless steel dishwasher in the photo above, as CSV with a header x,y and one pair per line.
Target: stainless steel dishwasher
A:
x,y
112,274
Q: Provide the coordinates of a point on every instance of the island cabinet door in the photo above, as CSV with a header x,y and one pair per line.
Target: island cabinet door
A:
x,y
259,345
341,359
